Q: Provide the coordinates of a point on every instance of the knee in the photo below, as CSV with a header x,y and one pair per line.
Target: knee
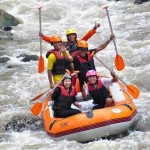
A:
x,y
109,102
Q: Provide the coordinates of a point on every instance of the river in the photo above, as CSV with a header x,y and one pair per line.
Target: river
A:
x,y
20,81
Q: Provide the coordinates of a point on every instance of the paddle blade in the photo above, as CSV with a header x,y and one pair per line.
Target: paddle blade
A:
x,y
133,91
119,63
36,108
41,64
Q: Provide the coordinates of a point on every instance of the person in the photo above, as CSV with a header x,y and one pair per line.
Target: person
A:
x,y
71,34
63,97
83,60
97,88
57,65
71,43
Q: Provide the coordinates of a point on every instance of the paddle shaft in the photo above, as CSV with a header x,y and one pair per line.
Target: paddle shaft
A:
x,y
131,88
40,28
49,90
111,28
109,69
36,108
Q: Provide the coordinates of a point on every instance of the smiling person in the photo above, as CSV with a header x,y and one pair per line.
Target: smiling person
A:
x,y
63,97
72,40
71,43
71,46
83,60
57,65
97,88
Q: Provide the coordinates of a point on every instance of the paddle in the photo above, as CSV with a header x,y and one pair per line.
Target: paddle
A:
x,y
40,95
36,108
119,62
49,90
134,92
41,59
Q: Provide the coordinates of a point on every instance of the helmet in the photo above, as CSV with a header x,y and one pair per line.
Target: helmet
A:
x,y
91,73
71,31
82,43
56,38
67,77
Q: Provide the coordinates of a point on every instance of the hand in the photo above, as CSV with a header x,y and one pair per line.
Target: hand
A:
x,y
112,37
63,47
78,105
40,34
112,73
51,85
97,25
51,92
75,73
115,78
84,86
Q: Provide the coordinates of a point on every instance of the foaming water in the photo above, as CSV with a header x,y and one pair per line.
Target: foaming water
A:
x,y
21,82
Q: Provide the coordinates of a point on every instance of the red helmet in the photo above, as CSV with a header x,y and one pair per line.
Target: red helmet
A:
x,y
91,73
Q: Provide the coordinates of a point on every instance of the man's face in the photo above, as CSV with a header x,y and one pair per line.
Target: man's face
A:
x,y
71,37
92,79
82,51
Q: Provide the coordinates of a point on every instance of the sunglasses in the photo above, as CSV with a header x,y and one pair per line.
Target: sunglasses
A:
x,y
82,49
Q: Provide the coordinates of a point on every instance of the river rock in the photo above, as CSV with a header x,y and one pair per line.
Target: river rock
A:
x,y
7,20
140,1
6,23
4,59
28,57
135,2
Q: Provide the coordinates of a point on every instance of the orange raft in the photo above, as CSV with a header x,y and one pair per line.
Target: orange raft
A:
x,y
92,124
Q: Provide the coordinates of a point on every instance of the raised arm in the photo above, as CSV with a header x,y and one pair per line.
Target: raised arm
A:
x,y
115,78
45,37
84,94
91,32
105,44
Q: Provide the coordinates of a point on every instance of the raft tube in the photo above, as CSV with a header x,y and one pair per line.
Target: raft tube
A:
x,y
92,124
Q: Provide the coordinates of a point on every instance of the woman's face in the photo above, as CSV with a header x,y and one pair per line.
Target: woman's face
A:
x,y
92,79
57,45
67,83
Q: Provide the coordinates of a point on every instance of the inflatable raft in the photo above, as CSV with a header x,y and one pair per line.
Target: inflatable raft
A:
x,y
92,124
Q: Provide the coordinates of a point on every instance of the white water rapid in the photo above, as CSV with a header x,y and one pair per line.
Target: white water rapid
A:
x,y
20,81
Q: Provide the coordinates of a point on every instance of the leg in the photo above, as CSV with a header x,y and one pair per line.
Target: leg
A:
x,y
109,102
63,113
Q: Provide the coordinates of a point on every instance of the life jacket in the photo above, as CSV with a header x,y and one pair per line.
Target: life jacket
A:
x,y
65,99
60,64
99,93
71,48
85,65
